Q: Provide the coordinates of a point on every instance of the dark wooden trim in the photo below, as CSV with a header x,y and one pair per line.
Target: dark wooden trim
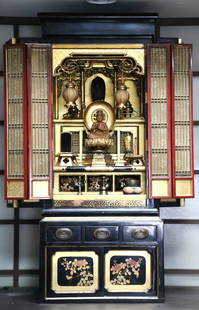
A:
x,y
181,221
11,20
7,272
196,123
182,271
19,221
196,171
29,272
184,21
1,172
21,272
1,123
16,31
16,248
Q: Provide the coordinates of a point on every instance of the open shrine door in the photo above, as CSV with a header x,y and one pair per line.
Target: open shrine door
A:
x,y
170,121
28,121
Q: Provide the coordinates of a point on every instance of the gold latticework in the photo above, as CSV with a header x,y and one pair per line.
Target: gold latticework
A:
x,y
15,189
100,203
15,113
39,106
159,112
182,112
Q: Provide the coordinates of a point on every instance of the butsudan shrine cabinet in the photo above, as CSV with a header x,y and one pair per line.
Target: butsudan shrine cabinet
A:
x,y
99,133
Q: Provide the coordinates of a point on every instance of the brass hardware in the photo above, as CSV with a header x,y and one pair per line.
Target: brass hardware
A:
x,y
63,233
15,204
182,202
102,233
13,41
140,233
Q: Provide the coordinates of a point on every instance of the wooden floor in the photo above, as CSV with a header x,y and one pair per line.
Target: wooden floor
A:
x,y
176,299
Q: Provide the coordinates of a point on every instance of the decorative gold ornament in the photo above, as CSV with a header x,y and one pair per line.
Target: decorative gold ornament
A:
x,y
122,96
70,94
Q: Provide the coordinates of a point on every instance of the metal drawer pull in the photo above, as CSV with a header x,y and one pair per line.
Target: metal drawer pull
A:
x,y
140,233
102,233
63,233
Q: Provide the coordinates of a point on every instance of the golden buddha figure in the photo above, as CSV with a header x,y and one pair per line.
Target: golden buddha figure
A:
x,y
99,128
99,137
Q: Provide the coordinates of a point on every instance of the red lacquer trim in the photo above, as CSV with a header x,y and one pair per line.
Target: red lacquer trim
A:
x,y
31,178
169,178
25,178
25,124
191,117
29,118
169,121
50,104
191,122
149,120
5,123
173,123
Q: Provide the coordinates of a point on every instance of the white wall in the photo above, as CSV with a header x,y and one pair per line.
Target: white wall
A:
x,y
181,241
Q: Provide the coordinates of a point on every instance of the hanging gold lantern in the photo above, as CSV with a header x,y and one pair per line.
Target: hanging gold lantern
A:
x,y
122,96
70,93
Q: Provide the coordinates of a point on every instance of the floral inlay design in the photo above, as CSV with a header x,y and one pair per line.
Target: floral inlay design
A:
x,y
71,184
77,271
127,270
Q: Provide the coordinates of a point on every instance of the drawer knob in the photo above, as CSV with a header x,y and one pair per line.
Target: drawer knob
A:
x,y
63,233
140,233
102,233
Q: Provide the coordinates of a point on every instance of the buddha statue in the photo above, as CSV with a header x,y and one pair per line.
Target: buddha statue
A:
x,y
99,128
99,137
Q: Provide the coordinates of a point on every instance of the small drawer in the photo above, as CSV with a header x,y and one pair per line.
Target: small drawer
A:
x,y
101,233
139,233
62,234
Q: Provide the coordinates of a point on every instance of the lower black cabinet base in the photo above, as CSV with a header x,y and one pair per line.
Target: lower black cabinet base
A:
x,y
102,259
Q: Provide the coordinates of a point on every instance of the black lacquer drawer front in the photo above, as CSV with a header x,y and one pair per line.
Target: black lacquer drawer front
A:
x,y
62,234
101,233
139,233
102,259
105,232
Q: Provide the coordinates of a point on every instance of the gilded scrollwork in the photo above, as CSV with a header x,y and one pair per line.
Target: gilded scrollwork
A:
x,y
73,67
67,68
105,71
